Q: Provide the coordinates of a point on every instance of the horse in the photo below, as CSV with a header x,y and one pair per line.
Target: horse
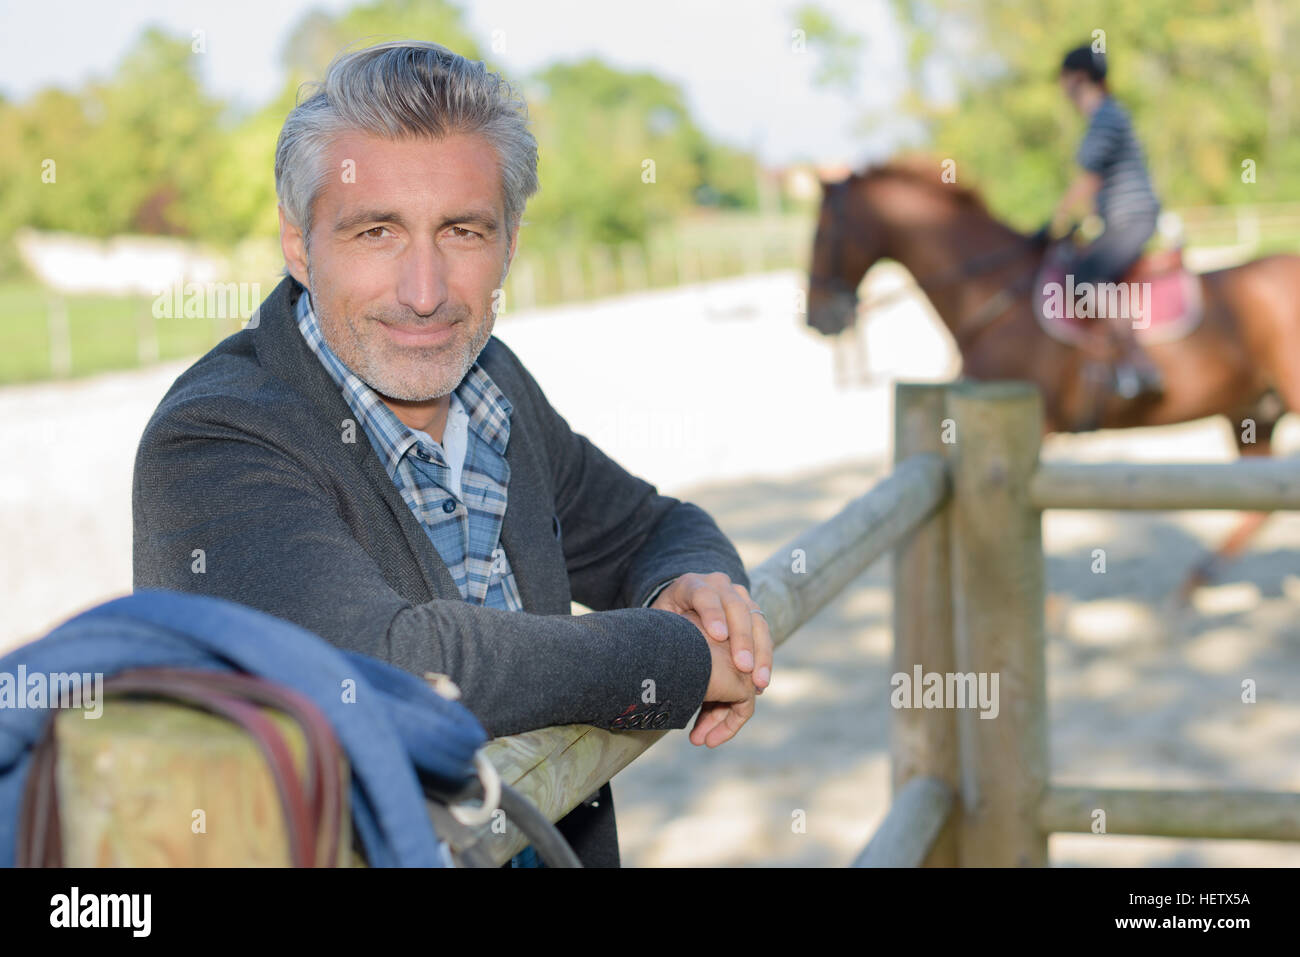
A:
x,y
1241,360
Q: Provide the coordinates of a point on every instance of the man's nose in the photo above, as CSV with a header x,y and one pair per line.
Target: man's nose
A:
x,y
422,283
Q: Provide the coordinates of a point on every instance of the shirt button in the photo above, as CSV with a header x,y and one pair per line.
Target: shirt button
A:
x,y
449,506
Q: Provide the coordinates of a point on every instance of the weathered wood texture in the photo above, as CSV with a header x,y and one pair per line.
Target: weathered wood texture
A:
x,y
1228,815
808,572
915,819
1248,485
923,741
998,582
131,781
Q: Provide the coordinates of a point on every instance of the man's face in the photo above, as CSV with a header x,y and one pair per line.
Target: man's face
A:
x,y
1072,86
408,246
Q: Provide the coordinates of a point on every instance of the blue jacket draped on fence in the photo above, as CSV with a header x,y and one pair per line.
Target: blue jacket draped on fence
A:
x,y
388,721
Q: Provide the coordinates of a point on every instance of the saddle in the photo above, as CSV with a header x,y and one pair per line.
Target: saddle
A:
x,y
1158,295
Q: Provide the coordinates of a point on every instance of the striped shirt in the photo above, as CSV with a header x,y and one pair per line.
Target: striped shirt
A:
x,y
457,488
1111,150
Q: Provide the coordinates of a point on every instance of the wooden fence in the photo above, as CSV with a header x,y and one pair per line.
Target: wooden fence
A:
x,y
962,519
961,516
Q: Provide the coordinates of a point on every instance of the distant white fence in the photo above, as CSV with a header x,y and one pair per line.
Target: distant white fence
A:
x,y
1240,225
120,266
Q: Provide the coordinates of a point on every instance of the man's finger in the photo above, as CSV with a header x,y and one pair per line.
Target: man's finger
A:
x,y
710,716
735,718
706,601
763,648
740,629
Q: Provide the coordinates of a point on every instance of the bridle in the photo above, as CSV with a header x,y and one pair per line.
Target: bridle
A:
x,y
969,327
838,227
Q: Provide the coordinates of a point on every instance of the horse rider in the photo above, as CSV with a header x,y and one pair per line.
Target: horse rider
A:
x,y
1114,180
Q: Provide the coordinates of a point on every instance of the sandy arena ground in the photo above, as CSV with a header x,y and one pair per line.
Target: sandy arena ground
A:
x,y
716,394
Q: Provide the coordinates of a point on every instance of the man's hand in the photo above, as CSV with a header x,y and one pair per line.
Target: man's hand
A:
x,y
739,641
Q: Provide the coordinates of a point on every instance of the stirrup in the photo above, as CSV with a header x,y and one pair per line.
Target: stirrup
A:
x,y
1131,383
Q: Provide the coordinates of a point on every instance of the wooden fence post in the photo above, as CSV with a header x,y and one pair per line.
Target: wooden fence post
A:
x,y
997,580
924,742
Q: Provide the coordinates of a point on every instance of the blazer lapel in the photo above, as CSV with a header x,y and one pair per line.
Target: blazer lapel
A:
x,y
282,350
527,534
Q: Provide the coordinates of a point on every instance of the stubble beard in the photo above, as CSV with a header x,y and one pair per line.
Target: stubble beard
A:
x,y
405,373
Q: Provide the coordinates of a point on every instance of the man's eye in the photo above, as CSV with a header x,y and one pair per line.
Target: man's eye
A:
x,y
462,233
374,232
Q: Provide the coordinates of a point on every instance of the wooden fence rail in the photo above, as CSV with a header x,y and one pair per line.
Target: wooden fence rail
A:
x,y
912,825
557,768
1250,485
1225,814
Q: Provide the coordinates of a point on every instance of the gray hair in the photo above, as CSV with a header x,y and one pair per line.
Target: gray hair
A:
x,y
401,90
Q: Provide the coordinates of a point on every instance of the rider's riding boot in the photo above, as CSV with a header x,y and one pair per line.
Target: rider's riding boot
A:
x,y
1135,374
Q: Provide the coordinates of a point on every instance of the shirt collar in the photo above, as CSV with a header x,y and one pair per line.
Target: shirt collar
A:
x,y
486,405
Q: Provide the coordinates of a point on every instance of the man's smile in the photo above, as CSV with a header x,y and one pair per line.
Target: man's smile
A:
x,y
430,335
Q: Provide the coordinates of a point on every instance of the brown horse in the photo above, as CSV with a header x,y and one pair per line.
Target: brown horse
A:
x,y
1242,360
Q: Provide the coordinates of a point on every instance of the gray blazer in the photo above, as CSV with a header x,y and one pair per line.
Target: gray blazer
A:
x,y
245,489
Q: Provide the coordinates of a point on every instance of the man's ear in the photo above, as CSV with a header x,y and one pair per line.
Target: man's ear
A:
x,y
514,242
293,245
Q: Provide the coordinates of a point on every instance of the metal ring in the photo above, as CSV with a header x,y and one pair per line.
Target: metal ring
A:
x,y
475,816
757,611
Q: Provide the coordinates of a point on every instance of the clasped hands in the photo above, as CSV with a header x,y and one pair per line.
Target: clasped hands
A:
x,y
739,641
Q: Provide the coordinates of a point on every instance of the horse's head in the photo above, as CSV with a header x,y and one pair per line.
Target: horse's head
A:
x,y
912,211
845,247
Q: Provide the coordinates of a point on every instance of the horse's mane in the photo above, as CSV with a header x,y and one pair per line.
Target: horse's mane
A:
x,y
927,173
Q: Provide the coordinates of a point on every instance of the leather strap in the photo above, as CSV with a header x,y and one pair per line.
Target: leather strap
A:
x,y
308,807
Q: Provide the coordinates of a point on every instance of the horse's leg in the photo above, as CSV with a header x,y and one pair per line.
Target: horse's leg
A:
x,y
1265,416
861,356
838,352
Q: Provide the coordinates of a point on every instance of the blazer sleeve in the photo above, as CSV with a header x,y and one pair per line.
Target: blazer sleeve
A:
x,y
622,540
222,508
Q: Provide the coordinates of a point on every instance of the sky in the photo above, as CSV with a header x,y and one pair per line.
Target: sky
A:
x,y
731,57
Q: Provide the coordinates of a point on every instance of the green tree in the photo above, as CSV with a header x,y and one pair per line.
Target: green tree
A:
x,y
134,154
147,150
1208,82
599,130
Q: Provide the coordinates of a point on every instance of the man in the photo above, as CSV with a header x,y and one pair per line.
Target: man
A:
x,y
368,461
1114,181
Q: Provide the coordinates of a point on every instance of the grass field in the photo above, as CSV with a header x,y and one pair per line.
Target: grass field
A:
x,y
104,332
